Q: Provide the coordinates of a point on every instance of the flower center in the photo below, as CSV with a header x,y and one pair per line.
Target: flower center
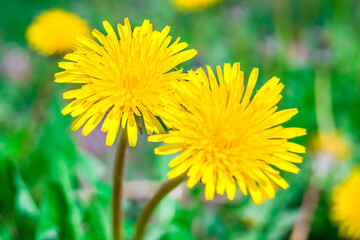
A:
x,y
225,138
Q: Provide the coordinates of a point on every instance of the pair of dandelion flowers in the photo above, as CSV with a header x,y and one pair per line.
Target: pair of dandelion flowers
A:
x,y
224,136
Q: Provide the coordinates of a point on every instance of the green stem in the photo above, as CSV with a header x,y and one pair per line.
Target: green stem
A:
x,y
118,186
283,25
149,208
324,114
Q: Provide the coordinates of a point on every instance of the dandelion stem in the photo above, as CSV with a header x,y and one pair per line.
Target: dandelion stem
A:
x,y
309,203
324,114
149,208
325,123
118,186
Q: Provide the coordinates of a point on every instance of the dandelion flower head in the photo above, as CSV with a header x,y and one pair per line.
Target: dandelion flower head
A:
x,y
54,32
333,143
225,138
192,5
345,210
123,79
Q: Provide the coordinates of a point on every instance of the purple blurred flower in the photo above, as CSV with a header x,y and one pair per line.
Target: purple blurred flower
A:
x,y
15,62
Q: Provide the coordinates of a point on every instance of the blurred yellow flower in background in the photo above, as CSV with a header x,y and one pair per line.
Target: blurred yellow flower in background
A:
x,y
333,143
345,210
227,138
192,5
123,79
54,32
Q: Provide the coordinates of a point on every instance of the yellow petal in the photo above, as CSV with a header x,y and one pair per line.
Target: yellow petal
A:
x,y
291,157
289,133
179,169
112,133
132,130
278,180
92,123
209,191
256,195
169,149
294,147
250,87
157,138
192,181
230,189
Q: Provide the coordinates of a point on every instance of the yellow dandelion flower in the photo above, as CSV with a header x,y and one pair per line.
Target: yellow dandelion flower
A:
x,y
345,210
226,138
54,32
192,5
333,143
123,79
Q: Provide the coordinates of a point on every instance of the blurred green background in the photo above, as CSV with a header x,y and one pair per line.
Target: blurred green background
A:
x,y
56,184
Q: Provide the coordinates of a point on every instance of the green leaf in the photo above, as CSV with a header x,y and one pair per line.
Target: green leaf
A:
x,y
25,204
